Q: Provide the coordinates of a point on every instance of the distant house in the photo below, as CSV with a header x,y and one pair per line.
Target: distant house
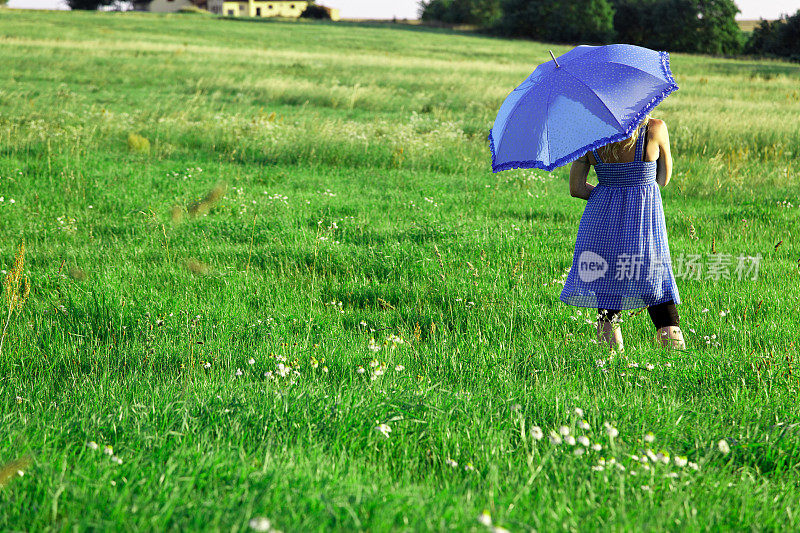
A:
x,y
262,8
233,8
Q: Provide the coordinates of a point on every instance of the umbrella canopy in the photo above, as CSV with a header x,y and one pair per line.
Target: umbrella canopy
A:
x,y
580,101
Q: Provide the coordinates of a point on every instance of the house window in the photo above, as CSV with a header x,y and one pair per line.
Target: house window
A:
x,y
230,12
258,11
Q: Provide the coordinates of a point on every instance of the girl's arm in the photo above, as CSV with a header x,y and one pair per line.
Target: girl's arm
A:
x,y
578,187
664,161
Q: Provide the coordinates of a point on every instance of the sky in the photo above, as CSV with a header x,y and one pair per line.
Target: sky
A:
x,y
386,9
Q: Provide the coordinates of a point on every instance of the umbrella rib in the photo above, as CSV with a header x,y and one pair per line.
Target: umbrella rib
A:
x,y
595,95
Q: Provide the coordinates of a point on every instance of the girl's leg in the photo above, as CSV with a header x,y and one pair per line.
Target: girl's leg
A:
x,y
666,320
608,329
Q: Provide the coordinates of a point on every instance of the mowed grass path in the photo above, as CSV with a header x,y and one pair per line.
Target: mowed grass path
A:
x,y
221,355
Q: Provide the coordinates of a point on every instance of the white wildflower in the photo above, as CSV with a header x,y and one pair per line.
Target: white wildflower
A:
x,y
394,339
723,447
485,518
537,433
584,440
383,429
260,523
449,462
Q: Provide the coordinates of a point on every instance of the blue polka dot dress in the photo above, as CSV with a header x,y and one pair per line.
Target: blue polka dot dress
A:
x,y
621,258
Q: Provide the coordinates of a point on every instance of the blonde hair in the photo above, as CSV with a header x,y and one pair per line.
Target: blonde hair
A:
x,y
614,149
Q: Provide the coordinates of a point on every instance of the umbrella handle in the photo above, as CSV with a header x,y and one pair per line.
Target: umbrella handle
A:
x,y
554,59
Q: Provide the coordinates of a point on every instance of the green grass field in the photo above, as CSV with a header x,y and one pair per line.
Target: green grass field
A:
x,y
223,349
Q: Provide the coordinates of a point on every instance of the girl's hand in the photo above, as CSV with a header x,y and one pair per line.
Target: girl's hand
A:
x,y
578,187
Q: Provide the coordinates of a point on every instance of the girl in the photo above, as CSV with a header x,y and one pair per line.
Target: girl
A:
x,y
621,258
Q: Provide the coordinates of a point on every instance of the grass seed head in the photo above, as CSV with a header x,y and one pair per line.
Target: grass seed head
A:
x,y
138,144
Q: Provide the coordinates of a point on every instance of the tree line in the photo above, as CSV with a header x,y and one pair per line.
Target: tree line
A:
x,y
698,26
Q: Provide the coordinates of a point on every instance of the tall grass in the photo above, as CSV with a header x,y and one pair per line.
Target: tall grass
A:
x,y
313,247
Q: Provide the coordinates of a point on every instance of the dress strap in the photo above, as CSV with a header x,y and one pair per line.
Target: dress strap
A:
x,y
597,157
640,144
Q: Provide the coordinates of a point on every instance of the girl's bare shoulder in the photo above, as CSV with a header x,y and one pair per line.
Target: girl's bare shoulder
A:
x,y
657,129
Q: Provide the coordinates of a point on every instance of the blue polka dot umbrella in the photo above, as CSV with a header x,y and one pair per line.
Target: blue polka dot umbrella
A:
x,y
582,100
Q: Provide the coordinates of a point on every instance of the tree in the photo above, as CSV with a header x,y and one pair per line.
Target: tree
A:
x,y
479,12
313,11
89,5
559,20
718,32
705,26
778,38
631,21
431,10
